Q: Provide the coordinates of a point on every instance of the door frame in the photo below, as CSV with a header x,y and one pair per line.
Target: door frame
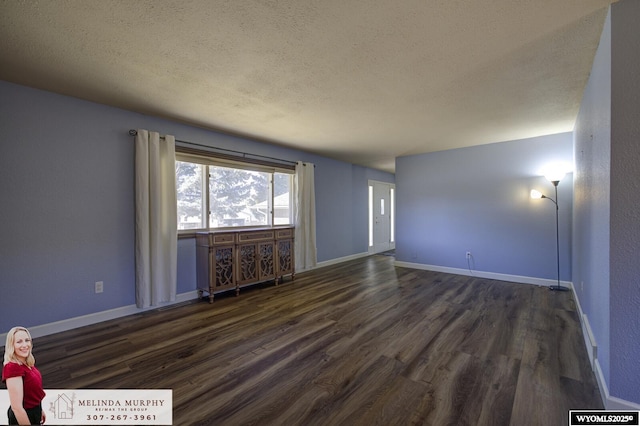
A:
x,y
391,196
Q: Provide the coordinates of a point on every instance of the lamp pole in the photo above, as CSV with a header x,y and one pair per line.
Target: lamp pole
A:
x,y
554,177
557,287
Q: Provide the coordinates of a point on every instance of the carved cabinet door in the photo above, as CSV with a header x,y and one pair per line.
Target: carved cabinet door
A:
x,y
285,253
267,264
222,259
247,263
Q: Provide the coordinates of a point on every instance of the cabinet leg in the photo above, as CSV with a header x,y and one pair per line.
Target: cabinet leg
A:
x,y
200,293
210,297
237,291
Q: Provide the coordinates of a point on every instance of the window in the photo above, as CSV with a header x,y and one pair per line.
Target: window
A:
x,y
217,193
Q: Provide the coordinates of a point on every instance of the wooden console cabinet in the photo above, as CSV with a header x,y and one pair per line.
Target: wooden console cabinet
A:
x,y
231,259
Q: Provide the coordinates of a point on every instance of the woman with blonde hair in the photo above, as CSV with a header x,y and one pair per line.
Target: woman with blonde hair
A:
x,y
24,381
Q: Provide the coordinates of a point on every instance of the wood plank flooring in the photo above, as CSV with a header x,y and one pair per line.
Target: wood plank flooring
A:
x,y
359,343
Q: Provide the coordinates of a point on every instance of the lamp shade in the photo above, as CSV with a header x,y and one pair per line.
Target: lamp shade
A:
x,y
536,194
554,175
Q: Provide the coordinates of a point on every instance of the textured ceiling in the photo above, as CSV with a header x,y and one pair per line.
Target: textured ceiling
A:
x,y
363,81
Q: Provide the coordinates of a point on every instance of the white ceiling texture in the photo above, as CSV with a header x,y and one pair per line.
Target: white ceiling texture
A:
x,y
362,81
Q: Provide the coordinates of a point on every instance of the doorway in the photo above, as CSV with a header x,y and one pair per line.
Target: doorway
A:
x,y
381,216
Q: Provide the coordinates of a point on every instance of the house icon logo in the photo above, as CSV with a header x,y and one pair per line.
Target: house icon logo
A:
x,y
62,407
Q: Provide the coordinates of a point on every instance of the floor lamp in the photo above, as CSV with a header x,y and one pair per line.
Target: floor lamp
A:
x,y
554,178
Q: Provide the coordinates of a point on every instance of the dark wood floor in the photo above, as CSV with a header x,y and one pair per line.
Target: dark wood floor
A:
x,y
360,343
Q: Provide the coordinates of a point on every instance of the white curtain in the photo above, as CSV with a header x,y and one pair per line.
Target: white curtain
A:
x,y
156,219
305,217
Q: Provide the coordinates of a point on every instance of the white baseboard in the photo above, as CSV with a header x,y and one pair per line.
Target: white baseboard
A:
x,y
481,274
609,402
612,402
123,311
589,339
94,318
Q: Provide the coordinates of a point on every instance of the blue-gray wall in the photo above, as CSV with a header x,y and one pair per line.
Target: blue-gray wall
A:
x,y
607,218
625,200
477,199
67,204
592,183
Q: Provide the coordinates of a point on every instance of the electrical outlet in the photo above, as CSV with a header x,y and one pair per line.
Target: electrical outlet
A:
x,y
468,254
99,286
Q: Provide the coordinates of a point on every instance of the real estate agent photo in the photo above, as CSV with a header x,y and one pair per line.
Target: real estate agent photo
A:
x,y
23,380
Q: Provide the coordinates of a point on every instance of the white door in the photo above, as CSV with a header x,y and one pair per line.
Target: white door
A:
x,y
381,216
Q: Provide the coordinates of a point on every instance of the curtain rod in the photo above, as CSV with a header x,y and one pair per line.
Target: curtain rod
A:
x,y
133,132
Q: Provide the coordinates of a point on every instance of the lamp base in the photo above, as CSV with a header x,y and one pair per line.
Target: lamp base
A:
x,y
558,288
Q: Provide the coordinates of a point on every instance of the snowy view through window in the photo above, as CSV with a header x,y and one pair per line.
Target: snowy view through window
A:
x,y
236,197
